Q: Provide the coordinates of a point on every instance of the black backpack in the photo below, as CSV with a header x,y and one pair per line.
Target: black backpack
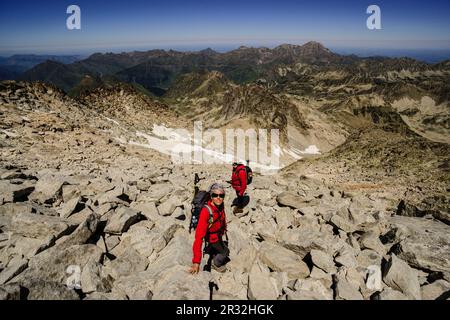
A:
x,y
200,200
249,173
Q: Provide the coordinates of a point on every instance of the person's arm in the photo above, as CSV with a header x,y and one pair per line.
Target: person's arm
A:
x,y
200,233
243,178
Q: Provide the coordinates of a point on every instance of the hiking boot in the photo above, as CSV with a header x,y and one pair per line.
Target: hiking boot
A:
x,y
237,210
220,269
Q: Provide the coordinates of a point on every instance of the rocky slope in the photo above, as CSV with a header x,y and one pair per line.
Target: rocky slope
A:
x,y
85,216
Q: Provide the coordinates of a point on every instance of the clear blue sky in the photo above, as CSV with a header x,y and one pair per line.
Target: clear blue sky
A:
x,y
40,26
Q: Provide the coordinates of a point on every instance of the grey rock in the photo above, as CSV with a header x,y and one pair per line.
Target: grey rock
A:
x,y
319,274
168,206
280,259
425,244
80,217
316,286
129,263
303,295
15,192
390,294
39,226
178,252
342,223
123,218
13,270
260,285
345,290
292,200
52,264
400,276
346,257
69,207
440,289
137,286
148,209
301,242
81,234
371,240
368,257
92,279
176,283
323,261
48,189
9,292
49,290
111,242
69,192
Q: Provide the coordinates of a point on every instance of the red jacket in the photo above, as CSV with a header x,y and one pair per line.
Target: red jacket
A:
x,y
202,231
239,179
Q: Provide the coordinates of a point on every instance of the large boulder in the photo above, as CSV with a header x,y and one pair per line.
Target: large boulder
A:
x,y
12,270
260,285
130,262
438,290
168,207
122,219
39,226
177,253
323,261
15,192
176,283
232,285
69,207
81,234
279,258
147,209
303,242
346,290
316,286
292,200
400,276
49,290
9,292
423,243
371,240
136,286
92,278
52,264
48,189
390,294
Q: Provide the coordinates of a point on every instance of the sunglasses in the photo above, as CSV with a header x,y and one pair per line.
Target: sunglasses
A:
x,y
215,195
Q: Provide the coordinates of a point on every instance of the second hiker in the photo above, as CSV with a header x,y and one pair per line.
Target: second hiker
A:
x,y
239,184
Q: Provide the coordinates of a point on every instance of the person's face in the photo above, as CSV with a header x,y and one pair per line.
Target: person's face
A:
x,y
217,197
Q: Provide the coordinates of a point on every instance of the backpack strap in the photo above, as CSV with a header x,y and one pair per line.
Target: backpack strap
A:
x,y
210,221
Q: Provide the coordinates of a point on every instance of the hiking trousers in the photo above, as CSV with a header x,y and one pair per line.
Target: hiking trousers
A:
x,y
218,252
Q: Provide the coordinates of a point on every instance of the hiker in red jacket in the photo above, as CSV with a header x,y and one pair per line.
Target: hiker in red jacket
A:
x,y
212,230
239,183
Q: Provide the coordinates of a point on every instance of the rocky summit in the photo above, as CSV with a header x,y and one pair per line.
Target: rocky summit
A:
x,y
89,211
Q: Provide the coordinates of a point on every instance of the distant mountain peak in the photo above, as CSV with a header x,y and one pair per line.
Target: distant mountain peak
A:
x,y
208,51
316,46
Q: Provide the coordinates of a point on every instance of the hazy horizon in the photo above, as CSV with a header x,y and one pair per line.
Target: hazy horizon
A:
x,y
427,55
